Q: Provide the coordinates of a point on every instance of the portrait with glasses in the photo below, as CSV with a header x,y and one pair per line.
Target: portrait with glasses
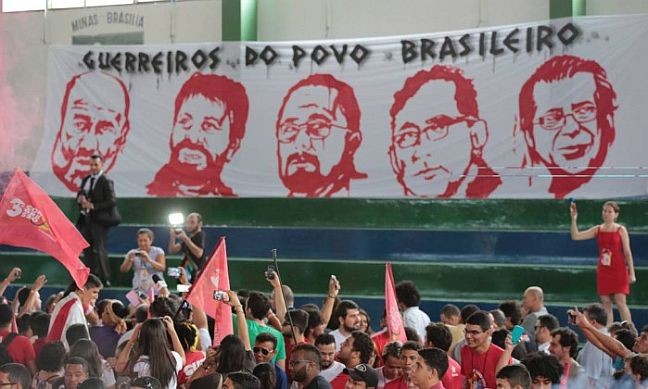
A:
x,y
438,137
318,133
209,124
566,114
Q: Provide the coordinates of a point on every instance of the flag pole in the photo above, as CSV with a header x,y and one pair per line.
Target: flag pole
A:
x,y
283,295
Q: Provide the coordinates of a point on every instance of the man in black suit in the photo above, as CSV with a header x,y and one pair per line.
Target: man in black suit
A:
x,y
98,213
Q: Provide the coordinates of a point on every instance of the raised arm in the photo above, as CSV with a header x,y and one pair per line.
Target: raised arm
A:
x,y
13,275
627,253
241,323
175,341
329,303
575,234
39,282
604,342
174,246
193,247
280,302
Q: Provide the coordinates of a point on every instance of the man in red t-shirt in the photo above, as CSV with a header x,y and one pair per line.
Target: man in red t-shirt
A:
x,y
439,336
409,356
479,357
20,349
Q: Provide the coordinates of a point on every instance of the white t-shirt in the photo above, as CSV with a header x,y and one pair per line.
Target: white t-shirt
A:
x,y
339,339
141,368
415,318
143,271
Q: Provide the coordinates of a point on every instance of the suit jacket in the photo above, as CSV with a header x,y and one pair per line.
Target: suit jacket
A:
x,y
103,198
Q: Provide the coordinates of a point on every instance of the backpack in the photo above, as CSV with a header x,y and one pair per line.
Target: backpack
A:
x,y
4,348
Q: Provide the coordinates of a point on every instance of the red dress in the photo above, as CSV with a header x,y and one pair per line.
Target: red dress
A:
x,y
611,272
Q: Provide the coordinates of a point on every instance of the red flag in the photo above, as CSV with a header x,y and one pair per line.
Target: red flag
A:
x,y
393,317
214,276
29,218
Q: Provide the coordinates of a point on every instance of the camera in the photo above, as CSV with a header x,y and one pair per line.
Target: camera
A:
x,y
269,273
142,295
221,295
18,273
571,319
173,272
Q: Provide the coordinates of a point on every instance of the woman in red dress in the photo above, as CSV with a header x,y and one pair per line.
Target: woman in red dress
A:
x,y
615,270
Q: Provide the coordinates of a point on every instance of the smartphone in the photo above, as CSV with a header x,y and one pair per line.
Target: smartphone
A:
x,y
182,288
142,295
269,274
221,295
571,319
516,334
173,272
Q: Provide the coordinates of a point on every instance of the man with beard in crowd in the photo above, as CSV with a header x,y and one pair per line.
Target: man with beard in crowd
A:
x,y
347,315
208,125
331,368
192,243
318,133
304,367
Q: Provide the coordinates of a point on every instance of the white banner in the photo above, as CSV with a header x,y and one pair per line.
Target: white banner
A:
x,y
543,110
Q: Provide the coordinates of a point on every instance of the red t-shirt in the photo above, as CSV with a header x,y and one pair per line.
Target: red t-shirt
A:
x,y
380,340
340,381
290,347
20,349
480,367
452,379
38,345
193,360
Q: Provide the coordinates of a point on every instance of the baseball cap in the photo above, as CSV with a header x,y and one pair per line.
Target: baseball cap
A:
x,y
365,373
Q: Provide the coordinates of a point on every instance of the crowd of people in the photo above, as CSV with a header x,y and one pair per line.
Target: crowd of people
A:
x,y
74,340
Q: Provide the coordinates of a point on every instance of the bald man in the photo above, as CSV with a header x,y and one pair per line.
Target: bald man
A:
x,y
533,305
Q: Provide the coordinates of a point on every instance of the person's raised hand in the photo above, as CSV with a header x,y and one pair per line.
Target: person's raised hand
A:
x,y
333,287
573,211
14,274
39,282
273,278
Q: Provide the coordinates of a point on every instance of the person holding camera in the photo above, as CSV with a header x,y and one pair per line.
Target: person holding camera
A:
x,y
191,243
146,260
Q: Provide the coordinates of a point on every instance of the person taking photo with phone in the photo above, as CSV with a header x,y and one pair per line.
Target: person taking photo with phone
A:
x,y
145,261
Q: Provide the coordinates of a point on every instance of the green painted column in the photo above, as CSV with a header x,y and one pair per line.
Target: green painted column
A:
x,y
560,9
567,8
239,20
579,7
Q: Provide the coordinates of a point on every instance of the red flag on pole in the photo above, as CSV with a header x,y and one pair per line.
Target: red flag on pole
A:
x,y
393,317
214,276
29,218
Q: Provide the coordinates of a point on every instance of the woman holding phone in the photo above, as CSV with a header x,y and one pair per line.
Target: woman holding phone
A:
x,y
146,260
615,269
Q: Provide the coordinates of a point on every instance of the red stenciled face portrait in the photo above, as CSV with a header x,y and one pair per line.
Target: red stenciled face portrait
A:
x,y
209,123
94,120
318,132
567,117
437,135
